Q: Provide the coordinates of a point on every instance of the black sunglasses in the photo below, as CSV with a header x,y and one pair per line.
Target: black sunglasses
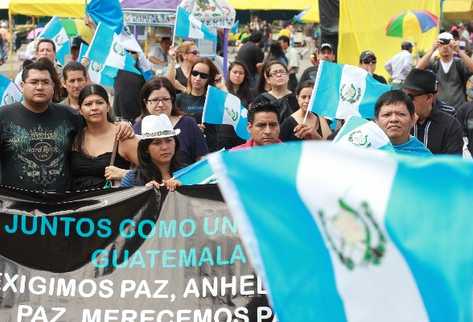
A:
x,y
197,73
369,61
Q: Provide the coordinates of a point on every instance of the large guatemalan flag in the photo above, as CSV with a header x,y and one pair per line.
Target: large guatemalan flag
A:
x,y
344,234
107,56
224,108
360,132
187,26
343,90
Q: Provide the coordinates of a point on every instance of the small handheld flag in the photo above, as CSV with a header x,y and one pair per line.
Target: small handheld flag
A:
x,y
9,92
341,91
187,26
363,133
107,55
108,12
196,173
221,107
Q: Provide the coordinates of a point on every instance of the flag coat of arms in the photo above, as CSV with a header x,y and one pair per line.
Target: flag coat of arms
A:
x,y
187,26
221,107
360,132
364,236
55,31
9,92
341,91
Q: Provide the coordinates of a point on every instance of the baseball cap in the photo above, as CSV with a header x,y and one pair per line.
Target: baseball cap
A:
x,y
367,56
326,46
445,36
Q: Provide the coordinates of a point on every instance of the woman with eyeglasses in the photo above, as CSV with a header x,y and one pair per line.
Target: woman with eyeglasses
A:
x,y
314,128
159,97
191,102
276,75
186,55
92,150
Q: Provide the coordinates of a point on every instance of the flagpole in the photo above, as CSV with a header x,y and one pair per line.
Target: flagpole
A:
x,y
305,116
174,29
225,52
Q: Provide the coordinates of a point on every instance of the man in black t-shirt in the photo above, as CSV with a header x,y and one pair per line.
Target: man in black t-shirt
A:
x,y
252,55
36,136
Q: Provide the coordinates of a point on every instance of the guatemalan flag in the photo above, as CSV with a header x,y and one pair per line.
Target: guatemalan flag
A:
x,y
199,172
9,92
187,26
346,234
341,91
55,31
108,12
224,108
360,132
107,56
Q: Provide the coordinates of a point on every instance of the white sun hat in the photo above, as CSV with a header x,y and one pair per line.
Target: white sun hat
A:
x,y
157,127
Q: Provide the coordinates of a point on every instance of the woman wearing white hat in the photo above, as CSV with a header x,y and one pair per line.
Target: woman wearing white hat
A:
x,y
156,154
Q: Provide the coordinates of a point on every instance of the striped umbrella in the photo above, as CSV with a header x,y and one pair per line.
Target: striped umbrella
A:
x,y
411,23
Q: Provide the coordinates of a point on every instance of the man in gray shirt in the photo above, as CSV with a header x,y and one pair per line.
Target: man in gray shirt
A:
x,y
452,72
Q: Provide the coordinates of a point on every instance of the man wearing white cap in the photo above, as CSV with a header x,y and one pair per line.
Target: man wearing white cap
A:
x,y
452,73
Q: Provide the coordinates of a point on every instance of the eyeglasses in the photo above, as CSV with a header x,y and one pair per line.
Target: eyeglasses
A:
x,y
193,52
369,62
196,73
278,72
154,101
37,82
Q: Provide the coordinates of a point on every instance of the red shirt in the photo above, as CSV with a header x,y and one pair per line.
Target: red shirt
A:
x,y
247,145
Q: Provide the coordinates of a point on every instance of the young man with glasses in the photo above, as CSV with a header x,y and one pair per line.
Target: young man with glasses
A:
x,y
440,132
36,135
368,63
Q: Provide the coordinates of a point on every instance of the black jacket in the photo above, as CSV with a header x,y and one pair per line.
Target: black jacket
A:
x,y
441,133
465,117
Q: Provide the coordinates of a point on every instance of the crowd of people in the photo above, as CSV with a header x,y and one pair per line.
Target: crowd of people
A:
x,y
65,134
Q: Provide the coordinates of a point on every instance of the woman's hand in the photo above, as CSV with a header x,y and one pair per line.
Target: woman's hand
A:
x,y
153,183
201,127
114,173
171,184
124,131
307,132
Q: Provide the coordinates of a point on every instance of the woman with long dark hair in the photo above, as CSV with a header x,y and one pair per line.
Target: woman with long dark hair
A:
x,y
238,84
93,147
299,127
159,97
157,156
203,73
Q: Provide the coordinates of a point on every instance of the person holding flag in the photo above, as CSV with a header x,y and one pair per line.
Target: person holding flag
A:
x,y
203,74
304,124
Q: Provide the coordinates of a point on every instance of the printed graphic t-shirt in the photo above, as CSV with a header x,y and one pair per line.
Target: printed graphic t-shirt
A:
x,y
35,147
